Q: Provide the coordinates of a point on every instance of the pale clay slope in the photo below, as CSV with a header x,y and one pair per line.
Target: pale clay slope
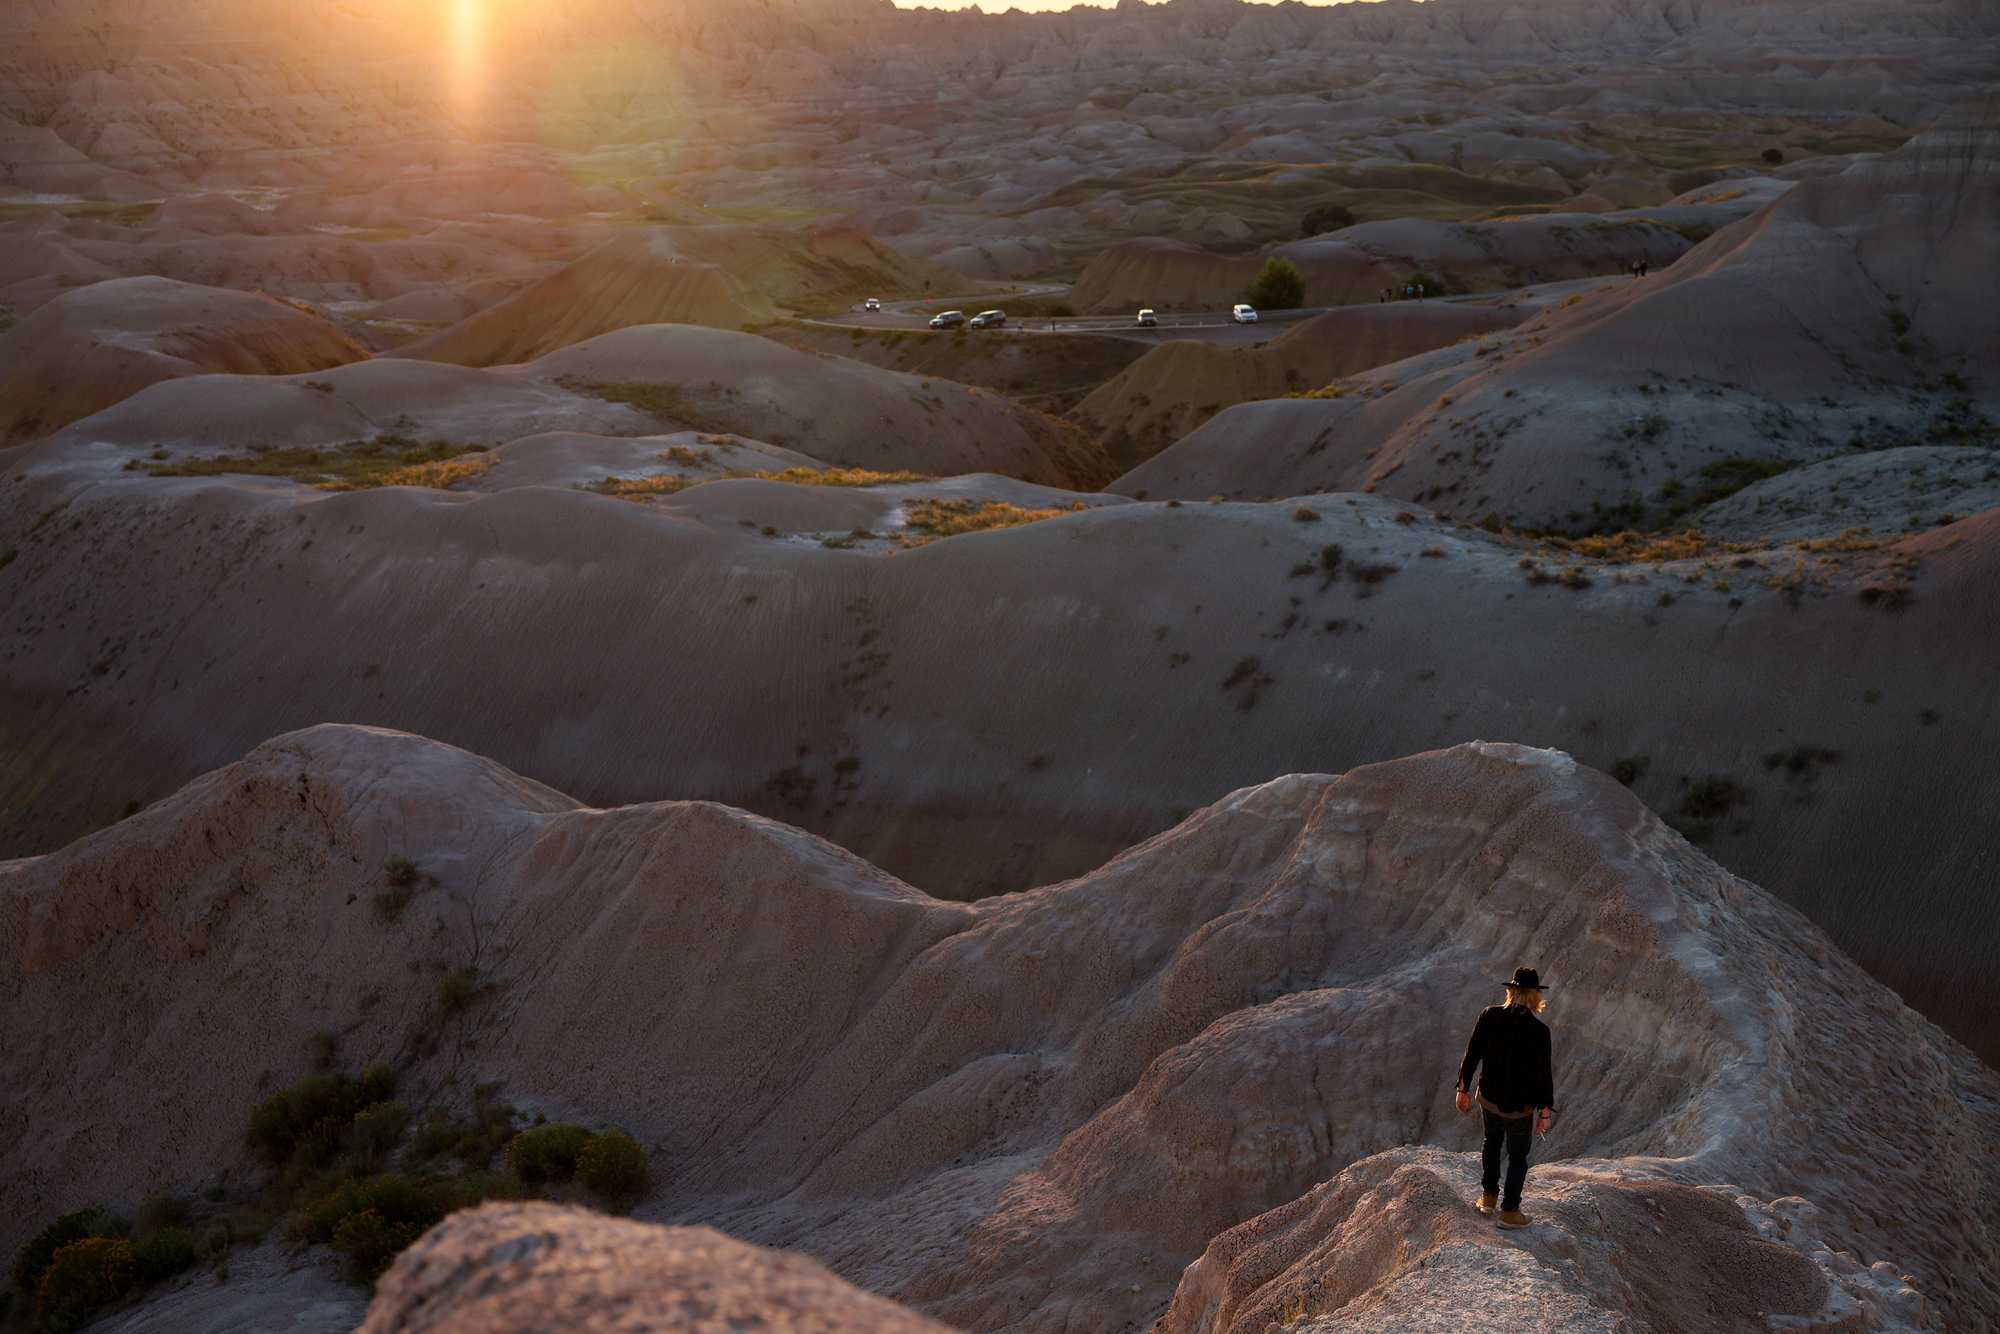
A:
x,y
97,345
1029,1113
727,277
1841,316
711,379
211,620
1180,385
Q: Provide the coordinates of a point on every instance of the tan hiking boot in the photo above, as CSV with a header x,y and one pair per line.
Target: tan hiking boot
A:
x,y
1488,1202
1514,1218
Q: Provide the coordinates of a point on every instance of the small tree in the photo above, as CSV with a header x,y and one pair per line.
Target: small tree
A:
x,y
1325,218
1774,155
1278,287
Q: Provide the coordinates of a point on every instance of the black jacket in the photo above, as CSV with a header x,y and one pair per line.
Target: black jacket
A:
x,y
1513,1045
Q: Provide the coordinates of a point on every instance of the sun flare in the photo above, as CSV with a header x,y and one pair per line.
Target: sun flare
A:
x,y
466,58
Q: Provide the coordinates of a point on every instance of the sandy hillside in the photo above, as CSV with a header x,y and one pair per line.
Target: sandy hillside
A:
x,y
634,382
1013,763
726,277
1051,372
1356,264
1836,320
632,280
1178,386
1912,489
1033,1112
314,266
98,345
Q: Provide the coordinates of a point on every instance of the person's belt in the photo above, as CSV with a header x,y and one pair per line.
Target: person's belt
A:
x,y
1505,1116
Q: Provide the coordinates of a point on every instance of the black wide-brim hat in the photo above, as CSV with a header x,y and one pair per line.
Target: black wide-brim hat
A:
x,y
1527,979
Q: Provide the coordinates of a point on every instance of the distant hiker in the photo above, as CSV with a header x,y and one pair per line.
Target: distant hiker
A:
x,y
1645,267
1409,291
1516,1091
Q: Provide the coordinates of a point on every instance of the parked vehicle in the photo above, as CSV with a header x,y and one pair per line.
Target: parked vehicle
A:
x,y
949,319
871,305
1242,314
1148,320
989,319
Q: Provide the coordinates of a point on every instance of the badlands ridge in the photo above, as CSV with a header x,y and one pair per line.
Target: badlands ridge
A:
x,y
1188,1083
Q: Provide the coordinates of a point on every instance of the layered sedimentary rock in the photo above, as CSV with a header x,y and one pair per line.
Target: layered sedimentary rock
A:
x,y
1029,1113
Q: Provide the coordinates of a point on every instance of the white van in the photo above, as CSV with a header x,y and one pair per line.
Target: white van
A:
x,y
1242,314
1148,320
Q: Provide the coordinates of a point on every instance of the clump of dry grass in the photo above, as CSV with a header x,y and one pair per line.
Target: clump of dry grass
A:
x,y
668,484
665,402
932,519
644,488
441,474
357,466
837,477
1629,548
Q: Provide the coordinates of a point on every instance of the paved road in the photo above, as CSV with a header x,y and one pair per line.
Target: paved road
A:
x,y
1214,326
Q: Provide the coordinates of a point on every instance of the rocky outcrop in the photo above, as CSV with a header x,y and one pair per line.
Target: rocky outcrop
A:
x,y
515,1269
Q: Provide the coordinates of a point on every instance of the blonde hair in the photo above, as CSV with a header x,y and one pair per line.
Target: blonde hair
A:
x,y
1530,997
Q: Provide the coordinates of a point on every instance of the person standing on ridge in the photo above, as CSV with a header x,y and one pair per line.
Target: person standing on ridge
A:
x,y
1516,1090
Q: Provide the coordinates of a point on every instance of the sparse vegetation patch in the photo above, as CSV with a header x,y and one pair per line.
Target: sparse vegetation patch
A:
x,y
930,520
361,466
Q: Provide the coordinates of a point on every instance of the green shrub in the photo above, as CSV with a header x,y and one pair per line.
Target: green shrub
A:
x,y
457,989
163,1252
546,1153
377,1129
370,1241
492,1131
81,1277
306,1123
435,1136
35,1253
1325,218
401,877
1712,797
1279,287
613,1165
370,1219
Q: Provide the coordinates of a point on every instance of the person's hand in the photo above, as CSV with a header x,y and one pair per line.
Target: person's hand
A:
x,y
1464,1103
1543,1120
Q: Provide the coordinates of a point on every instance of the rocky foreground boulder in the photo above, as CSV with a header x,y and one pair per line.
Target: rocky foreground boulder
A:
x,y
1231,1047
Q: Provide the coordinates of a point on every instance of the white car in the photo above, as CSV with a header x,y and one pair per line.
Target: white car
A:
x,y
1242,314
1148,320
871,305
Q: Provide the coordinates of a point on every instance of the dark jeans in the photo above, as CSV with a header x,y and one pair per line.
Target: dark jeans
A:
x,y
1520,1137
